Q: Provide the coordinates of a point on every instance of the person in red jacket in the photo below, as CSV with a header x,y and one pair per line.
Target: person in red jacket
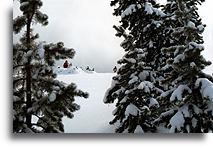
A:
x,y
66,64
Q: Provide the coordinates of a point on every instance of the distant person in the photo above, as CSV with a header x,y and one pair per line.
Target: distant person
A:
x,y
88,69
115,69
66,64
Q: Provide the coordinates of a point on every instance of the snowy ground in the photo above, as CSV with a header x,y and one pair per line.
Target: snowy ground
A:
x,y
94,115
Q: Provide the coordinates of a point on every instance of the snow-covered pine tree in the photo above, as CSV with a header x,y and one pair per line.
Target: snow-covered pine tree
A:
x,y
39,100
187,105
134,88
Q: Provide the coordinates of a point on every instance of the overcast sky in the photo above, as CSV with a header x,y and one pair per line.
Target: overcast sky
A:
x,y
86,26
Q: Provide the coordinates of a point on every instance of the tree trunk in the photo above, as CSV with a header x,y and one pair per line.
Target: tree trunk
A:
x,y
28,77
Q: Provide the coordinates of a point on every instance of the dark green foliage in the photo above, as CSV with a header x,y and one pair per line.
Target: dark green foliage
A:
x,y
135,88
39,100
183,29
163,62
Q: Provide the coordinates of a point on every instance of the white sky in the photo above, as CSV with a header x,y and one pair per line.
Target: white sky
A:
x,y
86,26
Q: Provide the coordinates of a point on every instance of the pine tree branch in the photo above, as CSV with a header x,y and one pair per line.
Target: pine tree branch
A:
x,y
35,124
209,77
17,80
16,66
41,119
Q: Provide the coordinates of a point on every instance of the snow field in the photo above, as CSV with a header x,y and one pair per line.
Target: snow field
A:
x,y
94,116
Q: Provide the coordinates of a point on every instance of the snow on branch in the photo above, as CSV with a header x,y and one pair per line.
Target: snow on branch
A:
x,y
179,58
133,80
52,96
164,114
132,8
209,108
149,9
190,24
206,88
132,110
178,120
153,102
106,99
178,93
193,46
146,86
129,60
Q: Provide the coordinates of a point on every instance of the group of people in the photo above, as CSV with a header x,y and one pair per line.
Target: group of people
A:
x,y
67,65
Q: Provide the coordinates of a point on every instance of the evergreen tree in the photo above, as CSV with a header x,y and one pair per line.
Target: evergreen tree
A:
x,y
186,106
39,100
135,87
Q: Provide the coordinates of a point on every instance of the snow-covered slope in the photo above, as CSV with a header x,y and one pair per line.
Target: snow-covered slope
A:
x,y
94,115
71,70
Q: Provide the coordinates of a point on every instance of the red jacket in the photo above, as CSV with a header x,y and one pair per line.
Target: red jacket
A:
x,y
66,64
